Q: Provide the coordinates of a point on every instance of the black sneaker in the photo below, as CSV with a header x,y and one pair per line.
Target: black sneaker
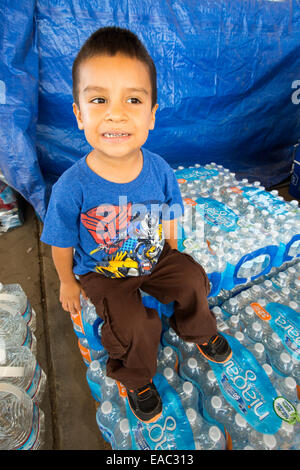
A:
x,y
217,349
145,403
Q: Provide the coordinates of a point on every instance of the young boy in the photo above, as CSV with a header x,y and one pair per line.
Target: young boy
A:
x,y
118,208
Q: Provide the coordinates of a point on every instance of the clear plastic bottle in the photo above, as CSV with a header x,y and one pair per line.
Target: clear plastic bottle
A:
x,y
285,436
206,436
22,422
234,324
170,338
19,366
254,331
167,357
220,410
122,435
14,331
189,395
95,375
194,370
259,352
247,316
273,344
186,349
108,413
287,387
282,363
239,432
231,306
14,300
262,441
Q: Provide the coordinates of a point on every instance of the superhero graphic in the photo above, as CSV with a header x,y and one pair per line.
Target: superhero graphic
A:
x,y
128,244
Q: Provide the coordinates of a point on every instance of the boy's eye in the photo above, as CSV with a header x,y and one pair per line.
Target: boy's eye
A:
x,y
135,100
98,100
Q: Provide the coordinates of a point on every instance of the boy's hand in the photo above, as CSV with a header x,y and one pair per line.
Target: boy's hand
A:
x,y
70,296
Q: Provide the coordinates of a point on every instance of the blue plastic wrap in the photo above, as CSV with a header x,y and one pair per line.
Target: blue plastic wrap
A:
x,y
227,72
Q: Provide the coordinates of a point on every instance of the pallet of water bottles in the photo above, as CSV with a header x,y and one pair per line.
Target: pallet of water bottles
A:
x,y
22,380
250,402
236,230
11,215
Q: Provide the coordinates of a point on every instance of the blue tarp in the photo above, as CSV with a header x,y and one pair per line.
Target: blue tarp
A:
x,y
227,76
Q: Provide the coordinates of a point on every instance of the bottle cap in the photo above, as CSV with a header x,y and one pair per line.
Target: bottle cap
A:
x,y
239,336
290,383
275,337
188,388
284,357
249,310
168,373
259,347
168,351
214,433
192,363
268,369
191,415
270,441
217,311
234,319
216,402
109,381
94,365
240,421
293,305
124,426
106,407
256,326
211,376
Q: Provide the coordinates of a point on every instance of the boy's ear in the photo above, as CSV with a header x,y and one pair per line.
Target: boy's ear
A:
x,y
152,121
77,113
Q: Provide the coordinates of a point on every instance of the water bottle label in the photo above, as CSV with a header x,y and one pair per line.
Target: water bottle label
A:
x,y
34,384
247,388
172,429
286,410
34,431
285,322
78,324
85,352
264,200
217,213
190,174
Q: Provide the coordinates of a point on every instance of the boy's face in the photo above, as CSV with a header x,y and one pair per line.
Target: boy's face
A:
x,y
115,98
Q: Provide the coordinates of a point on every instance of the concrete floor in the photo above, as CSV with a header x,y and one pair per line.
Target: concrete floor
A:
x,y
70,411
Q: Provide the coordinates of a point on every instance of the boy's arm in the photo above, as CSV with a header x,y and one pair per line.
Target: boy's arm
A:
x,y
70,288
170,230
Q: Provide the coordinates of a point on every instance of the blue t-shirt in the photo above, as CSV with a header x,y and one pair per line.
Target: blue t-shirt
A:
x,y
115,228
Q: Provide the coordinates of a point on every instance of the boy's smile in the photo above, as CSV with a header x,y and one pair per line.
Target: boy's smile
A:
x,y
115,107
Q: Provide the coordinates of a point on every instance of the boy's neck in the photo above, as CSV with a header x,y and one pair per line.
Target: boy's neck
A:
x,y
116,170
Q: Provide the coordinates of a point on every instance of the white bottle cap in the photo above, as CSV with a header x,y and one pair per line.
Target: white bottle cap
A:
x,y
124,426
234,319
249,310
259,348
191,415
168,351
94,365
268,369
188,388
214,433
240,421
233,301
216,402
270,441
168,373
268,283
290,383
285,358
239,336
293,305
256,326
172,332
211,376
275,337
106,407
109,381
217,311
192,363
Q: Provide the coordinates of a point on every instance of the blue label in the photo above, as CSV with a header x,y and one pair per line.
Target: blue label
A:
x,y
217,213
264,200
247,388
286,323
172,429
190,174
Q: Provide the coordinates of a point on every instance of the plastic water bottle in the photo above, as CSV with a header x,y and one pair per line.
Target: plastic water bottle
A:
x,y
188,395
287,387
14,300
89,354
220,410
107,414
282,363
247,316
95,375
262,441
206,437
167,357
234,324
285,436
14,331
22,422
170,338
273,344
231,306
19,367
254,331
194,370
239,432
259,352
122,435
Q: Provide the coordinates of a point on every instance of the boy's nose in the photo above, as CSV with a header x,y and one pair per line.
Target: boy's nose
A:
x,y
115,112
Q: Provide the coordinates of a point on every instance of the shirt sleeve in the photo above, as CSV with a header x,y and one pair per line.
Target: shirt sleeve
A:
x,y
173,207
62,218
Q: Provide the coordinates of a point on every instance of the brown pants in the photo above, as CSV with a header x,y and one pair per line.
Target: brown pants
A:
x,y
131,332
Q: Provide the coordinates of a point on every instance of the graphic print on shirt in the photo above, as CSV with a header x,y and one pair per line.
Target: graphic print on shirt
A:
x,y
128,243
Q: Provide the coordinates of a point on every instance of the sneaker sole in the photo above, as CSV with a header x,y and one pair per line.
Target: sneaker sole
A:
x,y
212,360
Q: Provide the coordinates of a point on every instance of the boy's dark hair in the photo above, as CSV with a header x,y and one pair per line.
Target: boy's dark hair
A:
x,y
111,40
